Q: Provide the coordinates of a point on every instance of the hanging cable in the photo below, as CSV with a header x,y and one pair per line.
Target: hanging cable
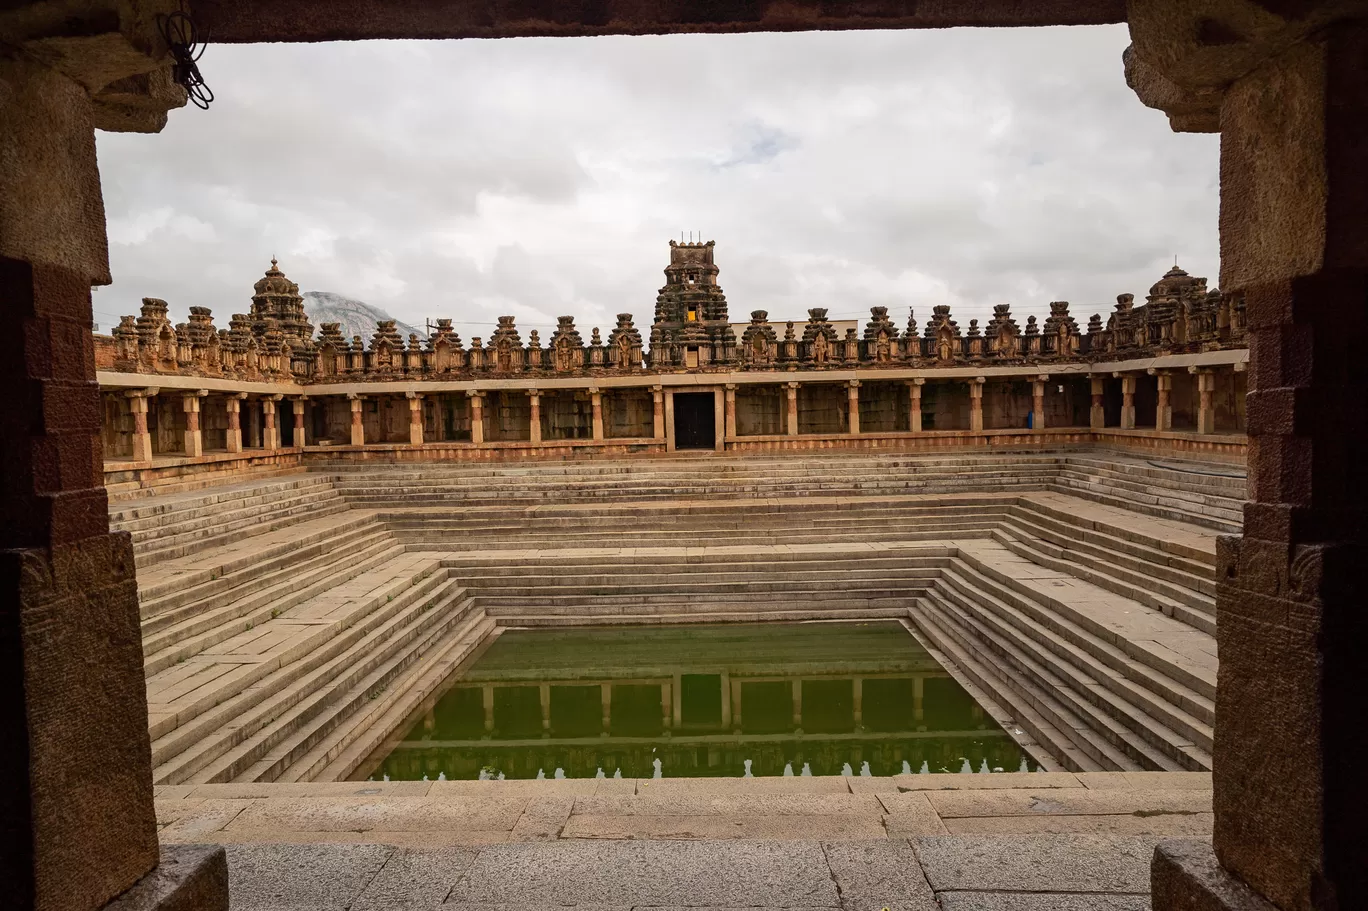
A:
x,y
183,39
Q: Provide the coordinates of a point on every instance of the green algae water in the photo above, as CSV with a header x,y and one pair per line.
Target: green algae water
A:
x,y
693,701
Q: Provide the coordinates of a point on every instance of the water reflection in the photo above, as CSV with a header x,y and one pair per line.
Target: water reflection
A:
x,y
732,700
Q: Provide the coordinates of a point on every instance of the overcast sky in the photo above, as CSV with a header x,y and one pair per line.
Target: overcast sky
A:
x,y
540,177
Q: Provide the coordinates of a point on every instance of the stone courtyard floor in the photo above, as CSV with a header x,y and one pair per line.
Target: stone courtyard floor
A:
x,y
1006,842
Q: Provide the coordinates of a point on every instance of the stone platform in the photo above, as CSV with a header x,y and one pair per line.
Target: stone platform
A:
x,y
1004,842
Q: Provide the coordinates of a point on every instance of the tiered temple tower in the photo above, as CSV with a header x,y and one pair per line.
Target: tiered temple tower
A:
x,y
691,327
279,299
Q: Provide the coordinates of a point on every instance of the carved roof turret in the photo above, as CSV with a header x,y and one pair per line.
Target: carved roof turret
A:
x,y
879,323
386,333
505,335
278,298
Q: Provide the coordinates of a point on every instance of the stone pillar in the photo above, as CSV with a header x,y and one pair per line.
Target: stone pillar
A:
x,y
1097,417
1127,400
666,706
415,400
853,408
914,406
798,705
729,428
476,416
669,422
596,406
658,412
233,405
544,697
1163,409
194,440
270,432
918,696
606,704
736,705
1206,410
792,412
976,404
487,699
534,430
719,421
677,701
857,701
1291,807
726,702
1038,402
358,427
300,439
79,827
142,439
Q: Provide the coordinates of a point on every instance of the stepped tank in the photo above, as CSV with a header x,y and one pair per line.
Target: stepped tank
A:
x,y
704,700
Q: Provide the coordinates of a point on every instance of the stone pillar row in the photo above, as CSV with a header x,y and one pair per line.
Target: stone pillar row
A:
x,y
663,411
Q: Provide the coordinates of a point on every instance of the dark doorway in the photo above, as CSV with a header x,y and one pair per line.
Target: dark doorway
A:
x,y
694,419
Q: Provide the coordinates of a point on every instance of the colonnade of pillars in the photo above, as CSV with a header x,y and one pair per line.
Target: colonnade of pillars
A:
x,y
273,436
672,710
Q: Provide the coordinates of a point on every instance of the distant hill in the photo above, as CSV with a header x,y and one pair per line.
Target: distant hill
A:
x,y
356,317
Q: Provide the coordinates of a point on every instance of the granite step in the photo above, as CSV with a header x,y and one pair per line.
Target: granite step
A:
x,y
1062,735
300,715
1164,735
1089,741
242,553
199,631
1175,601
332,747
207,703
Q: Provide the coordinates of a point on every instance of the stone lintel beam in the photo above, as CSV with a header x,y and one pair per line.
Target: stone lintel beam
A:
x,y
248,21
1185,54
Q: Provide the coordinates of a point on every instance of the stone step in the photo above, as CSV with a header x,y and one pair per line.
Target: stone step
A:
x,y
187,733
159,502
1058,731
302,714
196,631
1160,725
246,579
253,502
1182,604
1091,732
1185,555
1154,497
685,613
244,552
1197,477
1115,570
219,535
350,737
1119,632
1226,521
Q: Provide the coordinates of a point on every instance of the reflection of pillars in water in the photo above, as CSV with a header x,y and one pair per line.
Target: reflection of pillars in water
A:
x,y
488,691
677,701
736,705
798,705
918,686
606,699
666,706
544,694
857,699
725,688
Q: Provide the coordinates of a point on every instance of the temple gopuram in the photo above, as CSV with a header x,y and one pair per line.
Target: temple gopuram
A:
x,y
1166,375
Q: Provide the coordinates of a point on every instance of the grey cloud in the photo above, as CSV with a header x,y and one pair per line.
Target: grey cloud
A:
x,y
542,177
